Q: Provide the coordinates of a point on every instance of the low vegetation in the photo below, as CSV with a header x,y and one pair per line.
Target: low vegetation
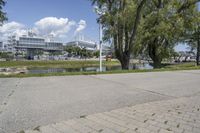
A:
x,y
55,64
167,67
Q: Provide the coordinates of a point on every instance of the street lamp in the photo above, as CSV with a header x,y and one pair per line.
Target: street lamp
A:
x,y
100,47
100,13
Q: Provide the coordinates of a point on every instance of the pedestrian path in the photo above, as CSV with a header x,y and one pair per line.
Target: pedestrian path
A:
x,y
180,115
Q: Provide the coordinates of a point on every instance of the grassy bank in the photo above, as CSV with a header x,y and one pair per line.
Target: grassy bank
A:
x,y
55,64
174,67
181,65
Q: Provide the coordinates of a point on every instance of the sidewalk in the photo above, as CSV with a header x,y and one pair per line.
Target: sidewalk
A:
x,y
180,115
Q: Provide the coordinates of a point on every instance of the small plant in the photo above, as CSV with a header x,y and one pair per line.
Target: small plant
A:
x,y
145,121
166,122
22,131
178,126
168,129
83,116
37,128
101,130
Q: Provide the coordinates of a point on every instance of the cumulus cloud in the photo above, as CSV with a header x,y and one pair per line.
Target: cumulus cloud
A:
x,y
11,28
81,26
58,28
53,26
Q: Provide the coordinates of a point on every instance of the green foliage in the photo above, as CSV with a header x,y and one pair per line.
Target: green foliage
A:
x,y
167,68
192,33
55,64
163,25
72,50
6,55
96,53
82,52
120,19
51,53
152,28
2,14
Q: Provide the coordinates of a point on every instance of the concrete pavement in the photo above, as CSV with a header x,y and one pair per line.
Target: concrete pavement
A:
x,y
181,115
30,102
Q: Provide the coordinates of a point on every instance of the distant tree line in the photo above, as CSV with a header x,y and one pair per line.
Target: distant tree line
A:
x,y
81,52
6,55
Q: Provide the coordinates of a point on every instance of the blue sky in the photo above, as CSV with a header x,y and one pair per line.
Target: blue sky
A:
x,y
28,12
69,17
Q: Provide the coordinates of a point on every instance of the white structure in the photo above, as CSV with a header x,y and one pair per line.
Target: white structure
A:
x,y
31,45
83,44
9,45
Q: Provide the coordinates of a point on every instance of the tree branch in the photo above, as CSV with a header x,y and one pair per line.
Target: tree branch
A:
x,y
187,5
136,23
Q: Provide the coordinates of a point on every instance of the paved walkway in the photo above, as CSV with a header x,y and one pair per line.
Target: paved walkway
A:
x,y
180,115
26,103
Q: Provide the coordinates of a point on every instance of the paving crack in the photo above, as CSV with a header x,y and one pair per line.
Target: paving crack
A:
x,y
4,104
136,88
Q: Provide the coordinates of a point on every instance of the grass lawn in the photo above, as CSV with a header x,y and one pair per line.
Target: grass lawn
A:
x,y
68,64
55,64
181,65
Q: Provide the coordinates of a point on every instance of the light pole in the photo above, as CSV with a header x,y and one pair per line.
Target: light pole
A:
x,y
100,12
100,47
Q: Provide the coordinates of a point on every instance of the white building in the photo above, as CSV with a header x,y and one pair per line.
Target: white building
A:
x,y
9,45
83,44
31,45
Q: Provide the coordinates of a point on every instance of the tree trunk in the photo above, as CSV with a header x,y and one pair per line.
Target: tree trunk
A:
x,y
198,51
125,63
157,62
154,56
124,59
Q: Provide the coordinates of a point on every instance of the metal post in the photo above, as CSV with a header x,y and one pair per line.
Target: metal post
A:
x,y
100,48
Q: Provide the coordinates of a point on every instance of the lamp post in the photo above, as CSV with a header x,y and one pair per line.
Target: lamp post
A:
x,y
100,47
100,13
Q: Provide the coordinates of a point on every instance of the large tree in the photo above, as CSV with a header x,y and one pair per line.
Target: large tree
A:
x,y
192,34
120,21
163,25
155,26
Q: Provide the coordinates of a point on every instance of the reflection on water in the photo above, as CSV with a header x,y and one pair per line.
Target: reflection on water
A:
x,y
85,69
141,66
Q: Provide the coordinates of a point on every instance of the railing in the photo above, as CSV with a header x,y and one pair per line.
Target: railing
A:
x,y
38,47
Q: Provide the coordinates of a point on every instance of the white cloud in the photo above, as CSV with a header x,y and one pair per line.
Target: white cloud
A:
x,y
59,28
11,28
53,26
81,26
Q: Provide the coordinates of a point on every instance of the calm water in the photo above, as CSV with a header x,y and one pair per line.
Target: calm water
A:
x,y
85,69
